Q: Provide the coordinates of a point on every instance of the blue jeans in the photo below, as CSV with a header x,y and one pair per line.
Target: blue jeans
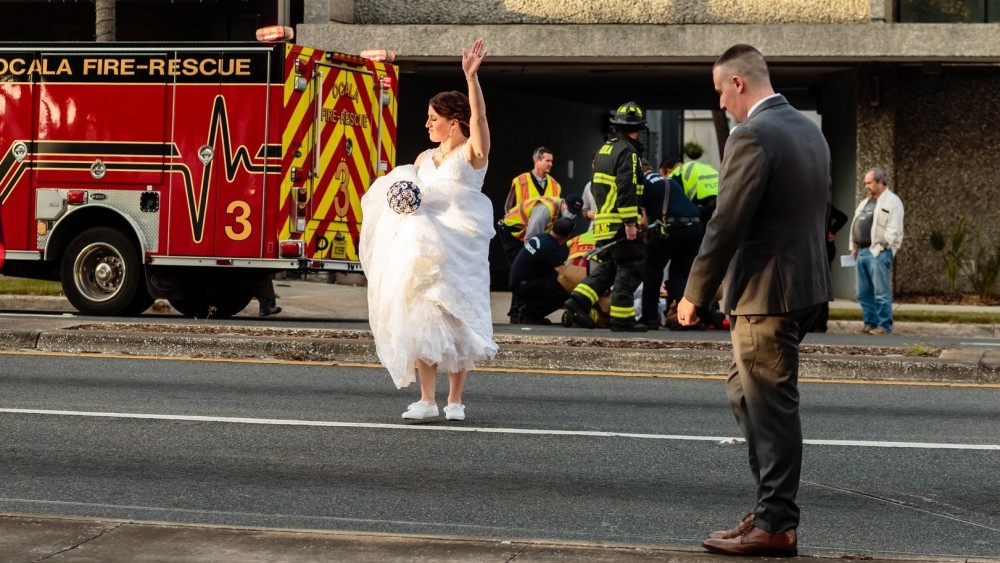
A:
x,y
874,288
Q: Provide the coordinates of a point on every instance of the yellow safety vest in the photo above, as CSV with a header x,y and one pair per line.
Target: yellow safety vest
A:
x,y
517,218
700,180
524,188
580,246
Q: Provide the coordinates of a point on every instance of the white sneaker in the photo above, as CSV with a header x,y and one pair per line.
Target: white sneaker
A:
x,y
421,410
454,411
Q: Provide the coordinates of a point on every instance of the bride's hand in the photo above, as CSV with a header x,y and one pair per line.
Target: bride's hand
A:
x,y
472,57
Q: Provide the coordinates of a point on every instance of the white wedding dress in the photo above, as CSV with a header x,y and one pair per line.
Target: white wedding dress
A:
x,y
428,272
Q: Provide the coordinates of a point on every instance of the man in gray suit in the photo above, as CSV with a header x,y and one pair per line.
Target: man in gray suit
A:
x,y
768,239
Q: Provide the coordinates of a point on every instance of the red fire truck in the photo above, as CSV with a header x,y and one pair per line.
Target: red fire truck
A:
x,y
187,172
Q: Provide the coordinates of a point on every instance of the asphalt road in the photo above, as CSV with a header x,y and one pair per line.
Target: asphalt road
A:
x,y
889,469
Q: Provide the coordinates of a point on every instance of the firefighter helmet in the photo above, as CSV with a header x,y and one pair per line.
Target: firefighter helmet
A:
x,y
629,114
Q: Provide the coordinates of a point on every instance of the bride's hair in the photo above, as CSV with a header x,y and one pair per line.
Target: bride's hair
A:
x,y
453,105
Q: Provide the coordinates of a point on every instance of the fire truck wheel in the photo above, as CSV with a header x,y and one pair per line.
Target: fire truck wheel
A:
x,y
143,300
216,303
101,273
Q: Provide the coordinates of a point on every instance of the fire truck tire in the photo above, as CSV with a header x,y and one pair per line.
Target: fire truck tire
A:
x,y
101,274
143,300
215,303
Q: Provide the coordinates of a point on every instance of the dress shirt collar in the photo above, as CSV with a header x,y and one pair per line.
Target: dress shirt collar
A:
x,y
754,107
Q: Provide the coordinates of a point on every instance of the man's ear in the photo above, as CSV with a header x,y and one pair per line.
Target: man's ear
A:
x,y
739,83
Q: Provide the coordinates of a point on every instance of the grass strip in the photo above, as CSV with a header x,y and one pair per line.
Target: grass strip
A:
x,y
23,286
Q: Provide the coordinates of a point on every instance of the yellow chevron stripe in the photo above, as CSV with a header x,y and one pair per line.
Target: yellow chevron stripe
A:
x,y
364,142
363,83
295,117
388,142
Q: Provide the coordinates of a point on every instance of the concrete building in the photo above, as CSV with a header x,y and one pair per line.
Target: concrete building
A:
x,y
907,85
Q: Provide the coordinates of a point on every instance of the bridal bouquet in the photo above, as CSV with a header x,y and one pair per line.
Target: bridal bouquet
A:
x,y
404,197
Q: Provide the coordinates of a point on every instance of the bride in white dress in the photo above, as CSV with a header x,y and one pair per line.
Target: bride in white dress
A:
x,y
428,269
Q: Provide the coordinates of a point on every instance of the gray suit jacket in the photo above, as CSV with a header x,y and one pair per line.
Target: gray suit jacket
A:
x,y
770,224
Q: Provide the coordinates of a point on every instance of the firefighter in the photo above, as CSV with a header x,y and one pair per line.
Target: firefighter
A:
x,y
534,217
617,187
263,291
537,182
534,276
699,180
531,218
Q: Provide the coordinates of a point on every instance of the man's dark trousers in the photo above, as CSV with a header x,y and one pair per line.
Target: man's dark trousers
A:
x,y
679,249
763,392
511,244
541,297
511,247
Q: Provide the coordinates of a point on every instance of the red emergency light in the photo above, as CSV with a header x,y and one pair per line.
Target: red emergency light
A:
x,y
275,34
76,197
378,55
291,249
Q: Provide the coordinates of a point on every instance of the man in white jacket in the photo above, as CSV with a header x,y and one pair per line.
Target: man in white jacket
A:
x,y
876,235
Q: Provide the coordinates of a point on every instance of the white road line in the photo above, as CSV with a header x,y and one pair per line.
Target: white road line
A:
x,y
451,428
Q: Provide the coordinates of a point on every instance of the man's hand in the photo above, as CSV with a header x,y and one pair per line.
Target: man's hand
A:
x,y
854,253
686,314
630,231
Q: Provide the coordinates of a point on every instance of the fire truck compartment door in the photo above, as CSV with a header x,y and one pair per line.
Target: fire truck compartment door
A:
x,y
218,179
238,136
344,154
102,118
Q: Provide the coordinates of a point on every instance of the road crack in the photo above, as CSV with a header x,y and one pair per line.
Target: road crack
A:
x,y
100,534
902,504
516,555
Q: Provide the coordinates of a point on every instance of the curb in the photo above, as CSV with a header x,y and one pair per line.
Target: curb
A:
x,y
516,353
36,537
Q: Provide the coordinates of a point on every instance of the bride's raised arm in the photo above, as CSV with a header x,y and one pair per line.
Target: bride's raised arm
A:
x,y
479,129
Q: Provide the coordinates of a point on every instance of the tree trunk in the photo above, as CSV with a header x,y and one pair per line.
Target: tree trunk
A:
x,y
104,29
721,129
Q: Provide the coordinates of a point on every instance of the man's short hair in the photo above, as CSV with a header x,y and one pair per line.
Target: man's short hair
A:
x,y
540,152
670,162
746,61
563,227
879,175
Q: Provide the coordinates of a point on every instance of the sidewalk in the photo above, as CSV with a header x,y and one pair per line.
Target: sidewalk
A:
x,y
32,538
344,301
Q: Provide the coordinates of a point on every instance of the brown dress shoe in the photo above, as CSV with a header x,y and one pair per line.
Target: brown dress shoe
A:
x,y
755,541
745,523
